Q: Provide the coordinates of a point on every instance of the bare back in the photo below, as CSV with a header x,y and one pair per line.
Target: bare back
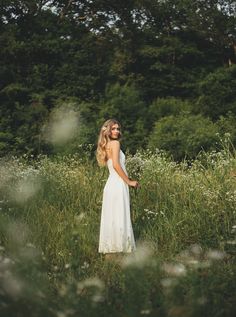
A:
x,y
108,151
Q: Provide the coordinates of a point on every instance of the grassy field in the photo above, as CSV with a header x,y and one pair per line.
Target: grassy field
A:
x,y
184,221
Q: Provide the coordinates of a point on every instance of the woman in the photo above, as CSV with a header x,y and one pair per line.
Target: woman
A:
x,y
116,233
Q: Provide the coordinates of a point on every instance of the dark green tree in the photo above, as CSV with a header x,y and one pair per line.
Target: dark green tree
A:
x,y
125,104
217,93
54,50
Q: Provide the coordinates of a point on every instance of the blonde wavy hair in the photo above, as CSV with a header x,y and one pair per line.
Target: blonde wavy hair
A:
x,y
103,139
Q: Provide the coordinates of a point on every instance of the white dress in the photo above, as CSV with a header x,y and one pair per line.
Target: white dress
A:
x,y
116,233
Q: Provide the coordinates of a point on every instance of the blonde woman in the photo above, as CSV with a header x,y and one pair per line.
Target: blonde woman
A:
x,y
116,232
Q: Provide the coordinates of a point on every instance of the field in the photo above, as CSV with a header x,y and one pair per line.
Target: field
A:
x,y
184,221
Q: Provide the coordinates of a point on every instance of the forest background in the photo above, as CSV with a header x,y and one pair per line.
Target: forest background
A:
x,y
165,69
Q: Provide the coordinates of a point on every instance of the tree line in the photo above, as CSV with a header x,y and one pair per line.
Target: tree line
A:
x,y
165,69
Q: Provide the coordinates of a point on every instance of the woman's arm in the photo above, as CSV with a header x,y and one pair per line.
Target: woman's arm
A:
x,y
115,147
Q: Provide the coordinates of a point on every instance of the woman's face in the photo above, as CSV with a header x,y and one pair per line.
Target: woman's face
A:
x,y
115,131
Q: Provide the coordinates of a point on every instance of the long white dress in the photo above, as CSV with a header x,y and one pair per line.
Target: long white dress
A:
x,y
116,232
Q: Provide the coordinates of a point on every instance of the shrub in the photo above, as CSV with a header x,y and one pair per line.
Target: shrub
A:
x,y
184,135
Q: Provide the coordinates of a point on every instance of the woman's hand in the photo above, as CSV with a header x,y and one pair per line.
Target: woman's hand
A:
x,y
134,184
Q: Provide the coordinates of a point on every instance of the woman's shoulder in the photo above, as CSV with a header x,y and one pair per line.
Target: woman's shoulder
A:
x,y
113,144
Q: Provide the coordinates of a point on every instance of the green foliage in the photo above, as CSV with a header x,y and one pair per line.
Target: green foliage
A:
x,y
21,118
163,107
171,65
184,135
217,93
227,125
125,104
114,59
89,126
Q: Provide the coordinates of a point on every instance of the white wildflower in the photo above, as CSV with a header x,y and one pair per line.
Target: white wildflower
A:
x,y
196,249
145,311
215,255
67,265
168,282
79,217
173,269
96,284
232,242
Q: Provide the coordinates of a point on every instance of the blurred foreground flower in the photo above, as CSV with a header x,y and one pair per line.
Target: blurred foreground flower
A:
x,y
25,189
174,269
96,285
11,285
140,257
215,255
62,125
17,233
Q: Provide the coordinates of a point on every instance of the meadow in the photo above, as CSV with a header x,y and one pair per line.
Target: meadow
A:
x,y
184,221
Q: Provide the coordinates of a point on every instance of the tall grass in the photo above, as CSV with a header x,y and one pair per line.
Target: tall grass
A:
x,y
183,216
